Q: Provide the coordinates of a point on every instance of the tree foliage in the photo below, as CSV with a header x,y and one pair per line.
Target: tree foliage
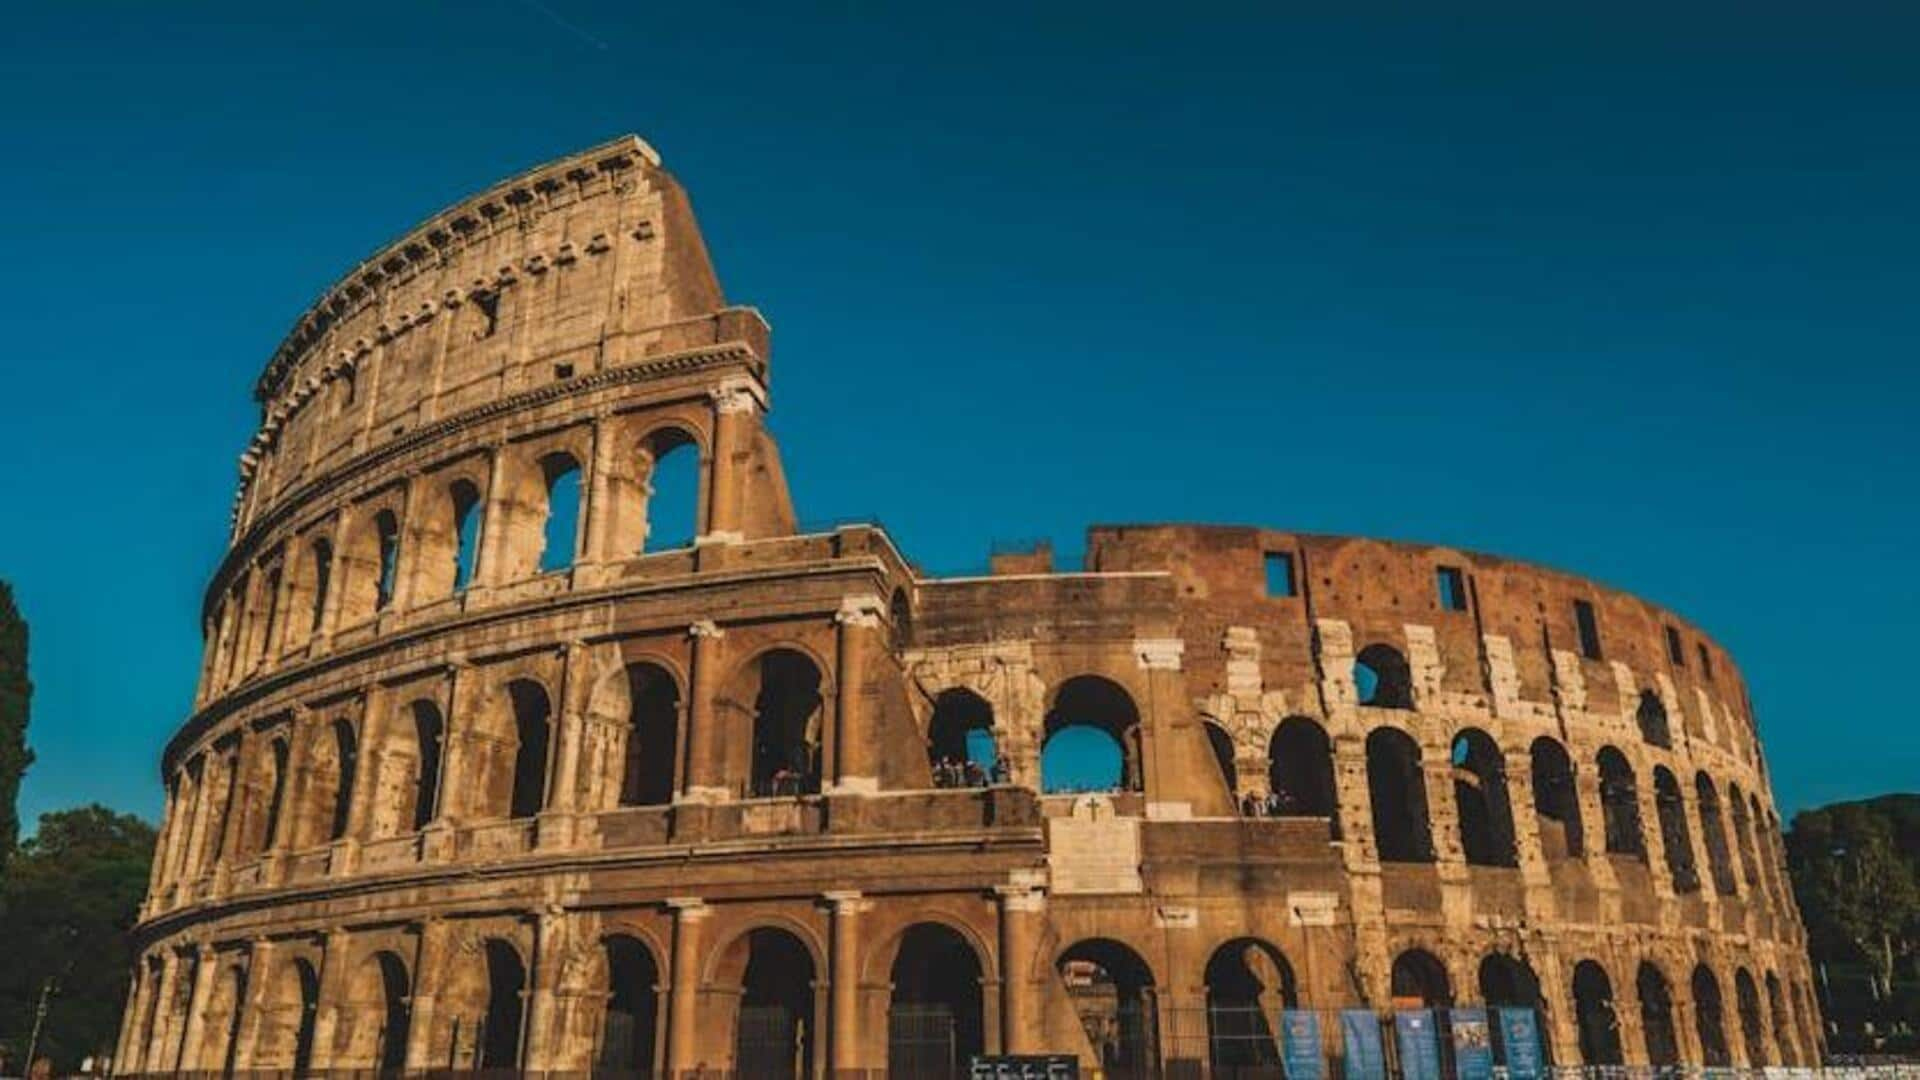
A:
x,y
68,904
15,692
1856,875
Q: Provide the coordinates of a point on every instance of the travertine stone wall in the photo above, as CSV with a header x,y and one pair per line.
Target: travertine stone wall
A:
x,y
459,791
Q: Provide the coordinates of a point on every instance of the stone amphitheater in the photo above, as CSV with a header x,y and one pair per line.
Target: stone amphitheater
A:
x,y
486,771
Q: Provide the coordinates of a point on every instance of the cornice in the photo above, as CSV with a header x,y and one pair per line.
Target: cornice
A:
x,y
448,230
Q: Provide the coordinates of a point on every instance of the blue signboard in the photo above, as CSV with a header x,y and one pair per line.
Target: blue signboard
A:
x,y
1419,1044
1520,1040
1472,1044
1360,1033
1300,1044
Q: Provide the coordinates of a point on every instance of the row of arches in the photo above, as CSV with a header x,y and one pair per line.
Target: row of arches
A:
x,y
436,536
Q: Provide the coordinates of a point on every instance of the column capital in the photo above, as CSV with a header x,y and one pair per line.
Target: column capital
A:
x,y
1020,898
846,901
705,628
688,907
738,394
862,609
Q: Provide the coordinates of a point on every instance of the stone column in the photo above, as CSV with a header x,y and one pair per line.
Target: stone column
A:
x,y
259,976
601,505
1021,909
706,779
191,1052
682,1039
557,821
736,402
155,1059
854,768
844,1051
126,1051
487,570
429,958
333,983
543,1031
1161,659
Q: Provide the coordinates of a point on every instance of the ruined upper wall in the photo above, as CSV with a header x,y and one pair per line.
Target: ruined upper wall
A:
x,y
582,264
1379,588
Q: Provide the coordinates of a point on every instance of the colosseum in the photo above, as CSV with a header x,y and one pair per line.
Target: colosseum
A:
x,y
490,769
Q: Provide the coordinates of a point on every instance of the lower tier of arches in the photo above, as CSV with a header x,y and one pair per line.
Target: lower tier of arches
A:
x,y
842,983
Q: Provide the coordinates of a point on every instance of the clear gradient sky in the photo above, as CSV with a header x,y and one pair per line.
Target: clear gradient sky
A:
x,y
1629,291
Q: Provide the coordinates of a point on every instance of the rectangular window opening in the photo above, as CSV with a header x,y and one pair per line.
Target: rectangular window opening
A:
x,y
1675,651
1589,629
1452,585
1706,662
1279,573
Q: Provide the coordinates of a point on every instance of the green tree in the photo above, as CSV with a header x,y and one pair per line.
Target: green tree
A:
x,y
15,693
1859,891
68,905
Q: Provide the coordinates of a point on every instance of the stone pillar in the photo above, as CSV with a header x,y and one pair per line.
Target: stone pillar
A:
x,y
854,767
1160,659
259,976
156,1058
429,958
191,1052
1021,910
706,779
543,1029
563,802
333,987
601,505
844,1052
736,402
682,1039
126,1051
494,511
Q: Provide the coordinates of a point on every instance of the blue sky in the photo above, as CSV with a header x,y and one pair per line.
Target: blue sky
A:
x,y
1628,291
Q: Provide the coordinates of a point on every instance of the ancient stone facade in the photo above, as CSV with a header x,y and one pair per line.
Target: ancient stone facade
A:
x,y
465,789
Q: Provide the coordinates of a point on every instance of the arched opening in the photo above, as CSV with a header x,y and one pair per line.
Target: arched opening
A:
x,y
1743,837
900,618
629,1029
1652,715
1508,982
934,1017
1594,1016
1398,790
531,714
286,1040
223,1018
1656,1016
464,500
347,758
1764,853
1092,740
429,734
1300,770
1248,983
373,1029
1556,800
653,736
1708,1019
387,528
1419,981
277,762
500,1028
960,746
673,498
320,559
1112,992
268,642
774,1035
786,725
1382,678
1673,831
560,529
1221,744
1783,1033
1480,797
1719,864
1620,804
1746,998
